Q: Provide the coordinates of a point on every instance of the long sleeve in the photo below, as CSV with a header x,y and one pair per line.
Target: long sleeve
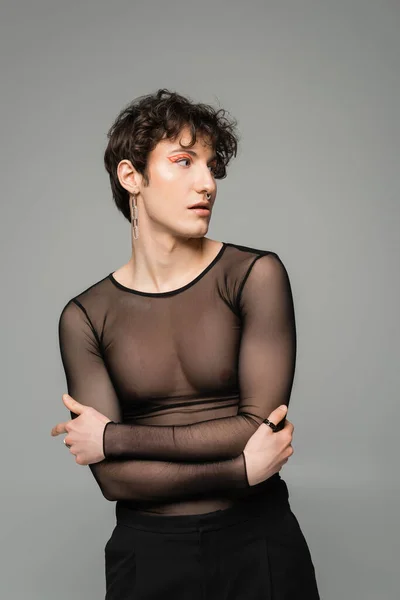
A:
x,y
265,373
88,382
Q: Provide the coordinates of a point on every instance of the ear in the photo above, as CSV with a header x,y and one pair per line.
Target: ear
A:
x,y
129,178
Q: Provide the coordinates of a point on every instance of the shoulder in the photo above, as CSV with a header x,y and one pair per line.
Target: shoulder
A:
x,y
260,281
248,272
245,259
240,251
92,299
266,277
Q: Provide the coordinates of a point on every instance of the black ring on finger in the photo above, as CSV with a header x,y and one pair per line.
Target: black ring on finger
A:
x,y
272,425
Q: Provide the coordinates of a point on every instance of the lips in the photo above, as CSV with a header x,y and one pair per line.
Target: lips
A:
x,y
200,205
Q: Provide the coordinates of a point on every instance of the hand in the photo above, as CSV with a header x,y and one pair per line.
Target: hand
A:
x,y
267,451
85,433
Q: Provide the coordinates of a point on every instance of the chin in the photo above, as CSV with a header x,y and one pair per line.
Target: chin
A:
x,y
193,232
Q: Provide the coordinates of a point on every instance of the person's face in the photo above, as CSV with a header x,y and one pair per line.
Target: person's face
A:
x,y
178,178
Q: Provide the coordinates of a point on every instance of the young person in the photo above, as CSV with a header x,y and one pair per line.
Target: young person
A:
x,y
179,367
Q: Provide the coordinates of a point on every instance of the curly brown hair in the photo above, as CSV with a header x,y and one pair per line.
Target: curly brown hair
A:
x,y
148,119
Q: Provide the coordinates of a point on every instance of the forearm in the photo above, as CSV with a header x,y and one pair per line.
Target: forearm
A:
x,y
213,440
160,480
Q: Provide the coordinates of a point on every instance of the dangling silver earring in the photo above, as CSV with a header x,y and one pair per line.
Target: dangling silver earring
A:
x,y
134,218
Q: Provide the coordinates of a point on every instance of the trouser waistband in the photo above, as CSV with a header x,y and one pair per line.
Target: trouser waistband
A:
x,y
269,500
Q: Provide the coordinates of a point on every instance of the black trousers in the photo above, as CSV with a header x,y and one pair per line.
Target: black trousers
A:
x,y
254,550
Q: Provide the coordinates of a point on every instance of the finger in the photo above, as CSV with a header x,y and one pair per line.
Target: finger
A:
x,y
289,425
59,428
72,404
278,414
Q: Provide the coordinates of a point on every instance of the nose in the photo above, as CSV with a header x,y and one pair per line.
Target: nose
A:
x,y
206,183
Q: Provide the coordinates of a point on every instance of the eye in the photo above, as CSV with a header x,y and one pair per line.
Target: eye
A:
x,y
183,158
212,167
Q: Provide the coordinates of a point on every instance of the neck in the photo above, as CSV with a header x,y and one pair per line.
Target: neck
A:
x,y
161,263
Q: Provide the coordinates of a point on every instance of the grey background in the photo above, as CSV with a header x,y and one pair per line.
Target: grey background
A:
x,y
315,87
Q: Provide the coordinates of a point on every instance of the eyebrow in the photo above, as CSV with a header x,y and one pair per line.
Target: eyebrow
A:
x,y
192,152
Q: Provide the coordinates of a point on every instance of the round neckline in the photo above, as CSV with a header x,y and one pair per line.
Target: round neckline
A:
x,y
177,290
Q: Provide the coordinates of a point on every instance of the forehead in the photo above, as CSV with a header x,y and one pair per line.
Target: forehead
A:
x,y
203,142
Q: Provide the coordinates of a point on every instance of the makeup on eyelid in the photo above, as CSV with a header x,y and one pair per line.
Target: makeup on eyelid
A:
x,y
177,158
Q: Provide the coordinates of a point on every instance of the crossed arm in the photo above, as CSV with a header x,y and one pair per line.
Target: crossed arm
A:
x,y
164,462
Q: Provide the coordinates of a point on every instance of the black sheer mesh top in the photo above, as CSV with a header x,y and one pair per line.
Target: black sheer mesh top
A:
x,y
185,376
